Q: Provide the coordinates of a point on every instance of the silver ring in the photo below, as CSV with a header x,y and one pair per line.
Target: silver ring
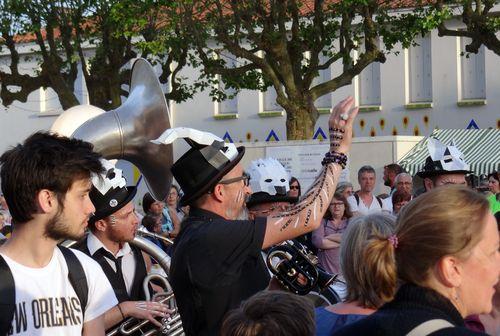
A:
x,y
344,116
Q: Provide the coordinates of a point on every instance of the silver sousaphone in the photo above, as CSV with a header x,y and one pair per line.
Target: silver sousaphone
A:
x,y
125,133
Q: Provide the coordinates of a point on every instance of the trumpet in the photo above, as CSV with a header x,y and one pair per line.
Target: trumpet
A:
x,y
297,269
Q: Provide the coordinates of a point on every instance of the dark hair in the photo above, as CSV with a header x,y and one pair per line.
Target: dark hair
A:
x,y
44,161
347,209
495,175
400,196
147,201
394,168
271,313
150,221
294,179
365,169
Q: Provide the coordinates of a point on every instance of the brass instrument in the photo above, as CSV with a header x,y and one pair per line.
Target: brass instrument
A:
x,y
126,132
145,233
172,325
297,269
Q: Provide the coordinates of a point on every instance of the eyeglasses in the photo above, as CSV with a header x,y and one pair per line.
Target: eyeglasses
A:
x,y
294,187
337,204
245,178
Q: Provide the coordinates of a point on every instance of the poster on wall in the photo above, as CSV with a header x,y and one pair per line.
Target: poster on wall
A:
x,y
303,162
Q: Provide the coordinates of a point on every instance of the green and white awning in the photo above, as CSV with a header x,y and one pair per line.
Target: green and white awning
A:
x,y
481,149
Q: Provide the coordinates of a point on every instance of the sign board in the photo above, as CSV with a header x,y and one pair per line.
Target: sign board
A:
x,y
303,162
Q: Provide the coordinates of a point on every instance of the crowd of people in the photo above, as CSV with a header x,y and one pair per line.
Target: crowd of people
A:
x,y
411,262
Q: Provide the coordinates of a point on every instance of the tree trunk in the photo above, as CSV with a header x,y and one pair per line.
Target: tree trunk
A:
x,y
301,118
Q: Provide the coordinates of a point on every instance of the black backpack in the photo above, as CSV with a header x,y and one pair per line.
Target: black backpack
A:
x,y
76,276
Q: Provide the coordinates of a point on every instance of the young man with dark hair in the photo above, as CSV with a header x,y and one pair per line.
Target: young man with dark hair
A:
x,y
46,183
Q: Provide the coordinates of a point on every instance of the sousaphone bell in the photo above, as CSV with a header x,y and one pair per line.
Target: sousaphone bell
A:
x,y
125,133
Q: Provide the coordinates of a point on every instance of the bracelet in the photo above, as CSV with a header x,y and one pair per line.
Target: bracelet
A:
x,y
335,157
121,311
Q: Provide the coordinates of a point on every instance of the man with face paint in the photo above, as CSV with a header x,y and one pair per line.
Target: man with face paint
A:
x,y
216,261
112,226
444,165
46,184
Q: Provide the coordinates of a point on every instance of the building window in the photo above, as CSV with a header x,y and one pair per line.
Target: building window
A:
x,y
269,100
420,70
369,84
471,72
230,105
323,102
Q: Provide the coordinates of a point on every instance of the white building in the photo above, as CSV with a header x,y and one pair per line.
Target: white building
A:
x,y
412,93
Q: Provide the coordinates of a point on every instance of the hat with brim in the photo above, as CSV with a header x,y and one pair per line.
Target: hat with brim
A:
x,y
263,197
200,169
111,202
434,168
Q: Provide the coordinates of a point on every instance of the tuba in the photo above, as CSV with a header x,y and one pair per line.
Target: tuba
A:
x,y
126,132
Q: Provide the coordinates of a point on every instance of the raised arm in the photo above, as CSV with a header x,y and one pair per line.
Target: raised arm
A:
x,y
306,215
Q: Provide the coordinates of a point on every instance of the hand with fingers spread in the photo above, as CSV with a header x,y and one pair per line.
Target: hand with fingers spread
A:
x,y
146,310
340,125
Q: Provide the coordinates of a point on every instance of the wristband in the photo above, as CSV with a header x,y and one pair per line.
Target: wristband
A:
x,y
335,157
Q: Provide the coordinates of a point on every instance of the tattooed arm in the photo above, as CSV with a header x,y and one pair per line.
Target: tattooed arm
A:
x,y
306,215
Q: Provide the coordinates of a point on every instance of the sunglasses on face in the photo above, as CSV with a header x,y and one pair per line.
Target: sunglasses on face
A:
x,y
294,187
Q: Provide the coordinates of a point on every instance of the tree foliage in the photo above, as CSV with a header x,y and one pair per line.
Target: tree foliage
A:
x,y
285,43
481,24
100,36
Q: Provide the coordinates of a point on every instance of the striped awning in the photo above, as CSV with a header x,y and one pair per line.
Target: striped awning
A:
x,y
481,149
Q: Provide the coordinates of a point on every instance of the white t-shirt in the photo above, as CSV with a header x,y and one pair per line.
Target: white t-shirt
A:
x,y
362,209
47,304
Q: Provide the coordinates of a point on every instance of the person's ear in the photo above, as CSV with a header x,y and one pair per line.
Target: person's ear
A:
x,y
449,272
219,192
428,183
101,225
47,200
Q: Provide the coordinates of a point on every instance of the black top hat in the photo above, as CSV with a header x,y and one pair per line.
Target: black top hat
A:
x,y
435,168
112,201
201,168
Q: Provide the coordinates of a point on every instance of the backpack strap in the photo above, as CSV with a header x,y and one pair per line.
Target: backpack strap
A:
x,y
356,196
7,297
76,276
428,327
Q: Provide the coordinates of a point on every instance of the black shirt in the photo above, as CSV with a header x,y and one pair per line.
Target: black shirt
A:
x,y
412,306
216,264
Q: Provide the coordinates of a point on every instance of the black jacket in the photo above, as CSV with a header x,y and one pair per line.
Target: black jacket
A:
x,y
412,306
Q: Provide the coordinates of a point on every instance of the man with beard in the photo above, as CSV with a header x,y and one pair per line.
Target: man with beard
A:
x,y
216,261
112,226
46,183
390,172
